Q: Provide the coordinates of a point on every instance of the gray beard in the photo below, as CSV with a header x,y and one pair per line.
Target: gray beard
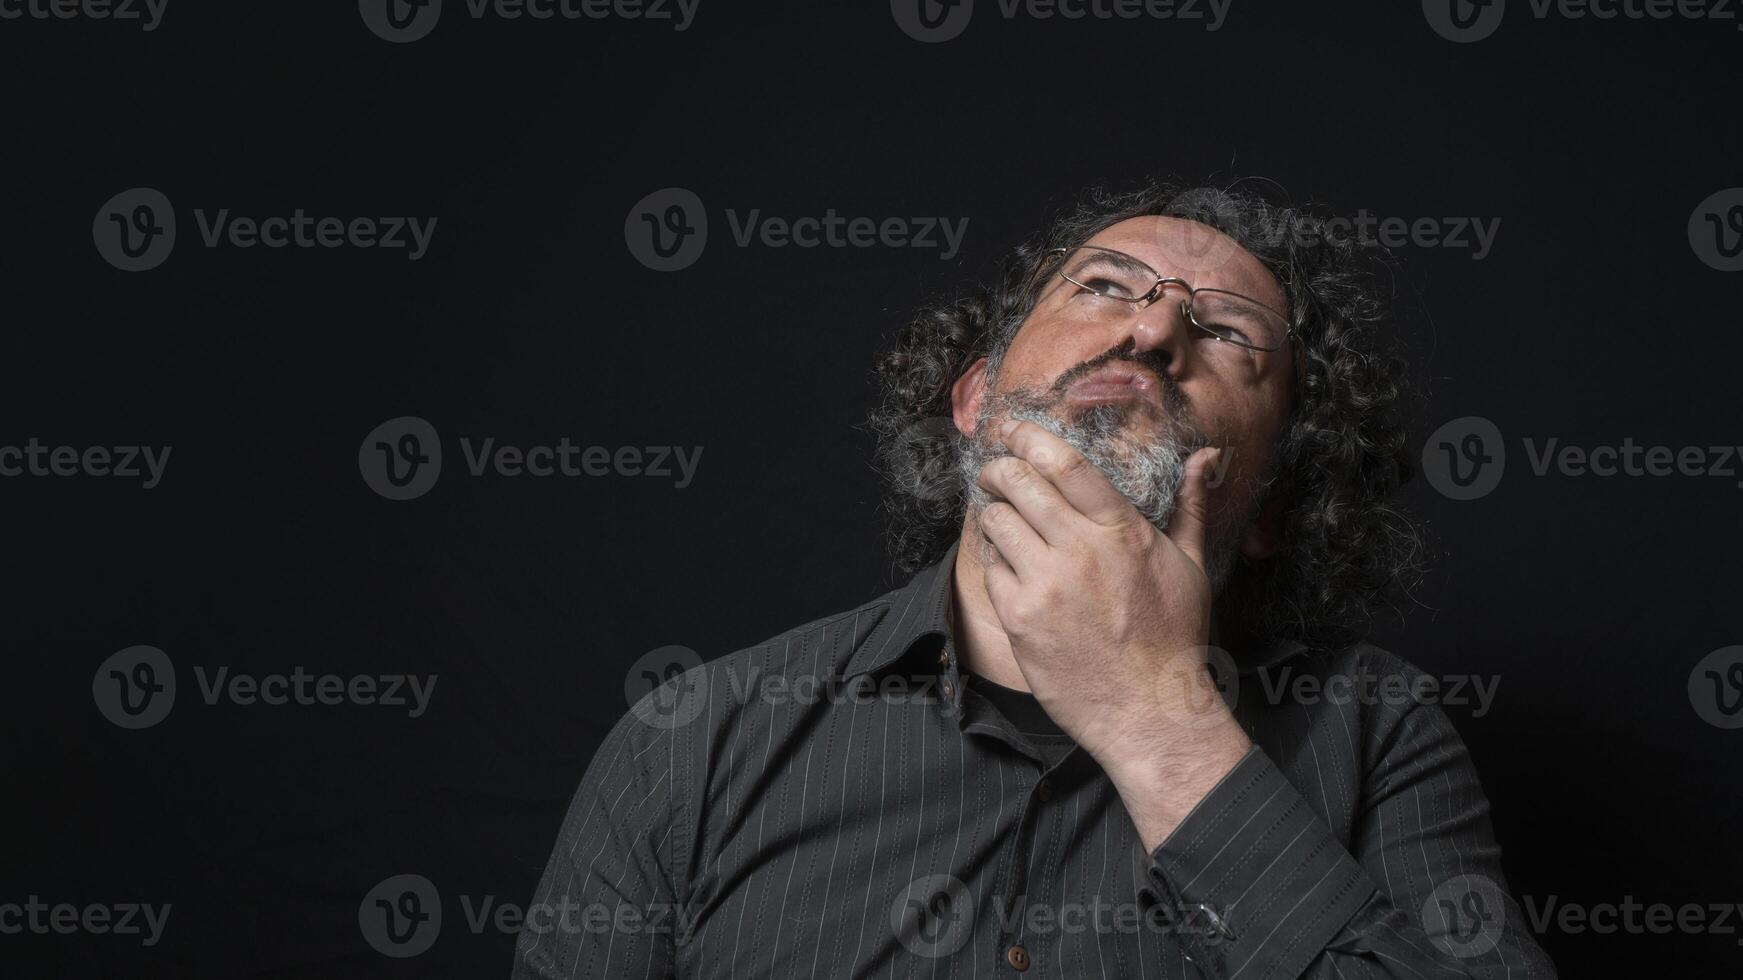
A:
x,y
1147,472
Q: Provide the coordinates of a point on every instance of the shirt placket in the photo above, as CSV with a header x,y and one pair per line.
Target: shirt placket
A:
x,y
1020,952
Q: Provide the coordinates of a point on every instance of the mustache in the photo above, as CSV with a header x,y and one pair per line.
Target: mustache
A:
x,y
1154,361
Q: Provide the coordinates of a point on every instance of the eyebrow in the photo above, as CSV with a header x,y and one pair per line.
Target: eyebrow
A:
x,y
1094,254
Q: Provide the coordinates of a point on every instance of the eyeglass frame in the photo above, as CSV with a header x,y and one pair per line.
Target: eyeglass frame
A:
x,y
1289,333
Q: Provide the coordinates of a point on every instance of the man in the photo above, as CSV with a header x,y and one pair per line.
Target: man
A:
x,y
1176,436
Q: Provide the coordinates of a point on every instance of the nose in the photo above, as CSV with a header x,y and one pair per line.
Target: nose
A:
x,y
1161,325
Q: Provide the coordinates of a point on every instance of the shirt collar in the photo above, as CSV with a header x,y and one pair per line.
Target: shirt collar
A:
x,y
918,616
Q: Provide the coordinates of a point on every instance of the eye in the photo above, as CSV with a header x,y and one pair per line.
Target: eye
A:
x,y
1227,331
1103,286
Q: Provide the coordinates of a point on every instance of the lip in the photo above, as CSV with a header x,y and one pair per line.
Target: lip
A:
x,y
1115,382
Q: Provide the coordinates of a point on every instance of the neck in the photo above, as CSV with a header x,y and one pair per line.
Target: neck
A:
x,y
981,644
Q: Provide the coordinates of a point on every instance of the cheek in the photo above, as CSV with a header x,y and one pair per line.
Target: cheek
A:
x,y
1248,421
1030,358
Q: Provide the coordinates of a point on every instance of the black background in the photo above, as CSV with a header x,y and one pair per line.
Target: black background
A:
x,y
529,320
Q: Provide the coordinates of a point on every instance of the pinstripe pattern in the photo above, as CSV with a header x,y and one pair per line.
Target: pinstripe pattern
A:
x,y
781,834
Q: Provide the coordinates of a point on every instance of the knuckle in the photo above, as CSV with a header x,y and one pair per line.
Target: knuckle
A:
x,y
995,516
1073,465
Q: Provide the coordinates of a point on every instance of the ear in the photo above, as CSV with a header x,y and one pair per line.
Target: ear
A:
x,y
1265,535
965,397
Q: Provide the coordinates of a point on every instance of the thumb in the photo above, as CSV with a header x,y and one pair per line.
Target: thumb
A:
x,y
1186,528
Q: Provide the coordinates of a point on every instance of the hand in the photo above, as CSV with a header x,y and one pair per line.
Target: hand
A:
x,y
1109,618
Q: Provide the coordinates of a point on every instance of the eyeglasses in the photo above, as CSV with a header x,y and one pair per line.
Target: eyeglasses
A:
x,y
1113,284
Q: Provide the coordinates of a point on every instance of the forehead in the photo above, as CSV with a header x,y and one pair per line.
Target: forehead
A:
x,y
1198,253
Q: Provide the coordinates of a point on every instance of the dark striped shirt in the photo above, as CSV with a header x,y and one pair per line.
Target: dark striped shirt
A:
x,y
839,802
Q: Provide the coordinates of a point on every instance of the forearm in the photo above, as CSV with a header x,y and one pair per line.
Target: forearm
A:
x,y
1259,887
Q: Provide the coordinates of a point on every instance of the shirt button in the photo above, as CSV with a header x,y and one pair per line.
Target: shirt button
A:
x,y
949,689
944,658
1018,957
1044,790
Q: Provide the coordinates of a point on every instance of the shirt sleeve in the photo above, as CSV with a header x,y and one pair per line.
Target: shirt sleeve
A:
x,y
607,904
1257,887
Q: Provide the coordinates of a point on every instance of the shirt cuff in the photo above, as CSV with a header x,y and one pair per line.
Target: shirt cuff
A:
x,y
1252,882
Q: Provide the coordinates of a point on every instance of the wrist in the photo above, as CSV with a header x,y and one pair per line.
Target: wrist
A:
x,y
1161,782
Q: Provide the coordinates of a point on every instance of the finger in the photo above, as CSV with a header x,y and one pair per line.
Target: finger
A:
x,y
1078,481
1186,527
1001,585
1016,542
1017,482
